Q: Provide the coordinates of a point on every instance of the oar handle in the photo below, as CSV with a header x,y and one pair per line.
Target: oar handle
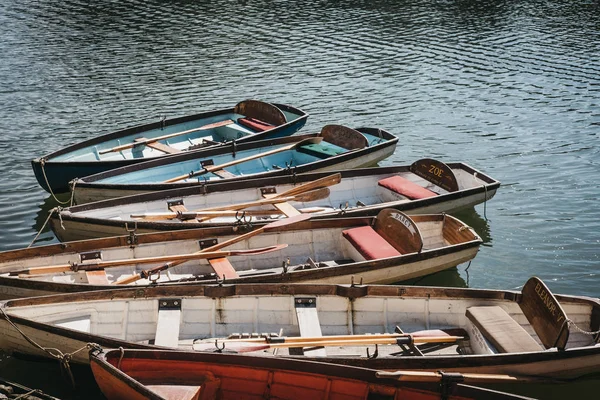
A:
x,y
430,376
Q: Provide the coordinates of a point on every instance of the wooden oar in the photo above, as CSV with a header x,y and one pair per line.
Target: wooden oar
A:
x,y
328,180
219,246
427,376
213,168
187,215
90,266
295,339
241,347
313,195
168,136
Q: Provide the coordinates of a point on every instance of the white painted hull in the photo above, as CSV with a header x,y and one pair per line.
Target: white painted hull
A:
x,y
115,319
358,193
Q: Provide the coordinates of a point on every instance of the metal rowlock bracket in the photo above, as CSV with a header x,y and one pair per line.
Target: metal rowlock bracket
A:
x,y
132,240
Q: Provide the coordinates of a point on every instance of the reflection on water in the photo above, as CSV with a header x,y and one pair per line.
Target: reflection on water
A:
x,y
512,88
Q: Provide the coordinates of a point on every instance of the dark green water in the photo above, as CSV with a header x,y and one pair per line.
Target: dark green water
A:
x,y
512,88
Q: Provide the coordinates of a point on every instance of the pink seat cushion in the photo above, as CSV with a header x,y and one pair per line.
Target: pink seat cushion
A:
x,y
254,124
369,243
406,188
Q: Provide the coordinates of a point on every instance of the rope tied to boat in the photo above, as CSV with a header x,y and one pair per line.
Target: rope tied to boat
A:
x,y
63,358
70,201
572,324
26,395
56,210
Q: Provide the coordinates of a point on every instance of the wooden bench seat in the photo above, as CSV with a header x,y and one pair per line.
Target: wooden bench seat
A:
x,y
501,330
309,325
97,277
223,268
406,188
255,124
160,146
369,243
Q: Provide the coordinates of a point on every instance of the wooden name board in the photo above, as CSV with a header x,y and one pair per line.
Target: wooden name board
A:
x,y
399,230
435,172
545,314
261,111
344,137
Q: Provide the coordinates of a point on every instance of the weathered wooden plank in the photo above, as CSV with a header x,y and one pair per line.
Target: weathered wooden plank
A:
x,y
167,327
308,322
97,277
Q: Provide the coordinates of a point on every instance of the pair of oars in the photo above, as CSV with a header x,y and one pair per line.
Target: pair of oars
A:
x,y
316,184
234,209
257,344
218,246
99,265
167,136
213,168
462,377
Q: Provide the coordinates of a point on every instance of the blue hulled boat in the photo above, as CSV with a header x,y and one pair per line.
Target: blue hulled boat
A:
x,y
335,147
247,121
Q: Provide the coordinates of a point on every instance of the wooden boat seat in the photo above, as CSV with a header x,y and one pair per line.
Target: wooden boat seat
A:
x,y
406,188
310,326
321,150
501,330
159,146
176,392
167,327
255,124
369,243
97,277
223,268
224,174
181,208
207,388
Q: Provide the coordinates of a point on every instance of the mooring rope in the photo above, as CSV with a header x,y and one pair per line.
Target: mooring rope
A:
x,y
24,395
42,164
55,209
63,358
577,328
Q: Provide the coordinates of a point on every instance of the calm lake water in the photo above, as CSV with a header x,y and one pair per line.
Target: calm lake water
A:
x,y
512,88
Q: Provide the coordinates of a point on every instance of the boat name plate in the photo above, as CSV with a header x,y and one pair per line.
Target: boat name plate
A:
x,y
206,163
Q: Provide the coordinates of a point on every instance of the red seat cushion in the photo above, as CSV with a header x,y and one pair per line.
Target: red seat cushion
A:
x,y
406,188
254,124
369,243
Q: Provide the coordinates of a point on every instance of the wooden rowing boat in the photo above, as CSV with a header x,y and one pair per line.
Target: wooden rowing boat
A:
x,y
360,192
389,248
335,147
507,332
158,374
246,121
